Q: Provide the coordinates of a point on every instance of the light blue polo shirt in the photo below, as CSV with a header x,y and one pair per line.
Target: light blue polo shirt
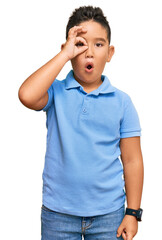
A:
x,y
83,174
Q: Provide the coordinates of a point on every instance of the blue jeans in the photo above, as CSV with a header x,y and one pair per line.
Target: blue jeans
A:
x,y
60,226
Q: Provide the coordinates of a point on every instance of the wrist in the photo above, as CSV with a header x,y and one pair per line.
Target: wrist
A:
x,y
135,207
65,56
130,217
134,213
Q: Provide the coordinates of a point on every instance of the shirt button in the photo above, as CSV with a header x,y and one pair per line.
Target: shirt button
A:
x,y
84,110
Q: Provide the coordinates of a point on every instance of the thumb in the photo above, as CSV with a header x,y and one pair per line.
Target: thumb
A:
x,y
82,49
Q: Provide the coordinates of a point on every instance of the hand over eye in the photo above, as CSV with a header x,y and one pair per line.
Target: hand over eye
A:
x,y
75,45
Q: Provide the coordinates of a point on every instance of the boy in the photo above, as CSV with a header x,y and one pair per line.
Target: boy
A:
x,y
90,125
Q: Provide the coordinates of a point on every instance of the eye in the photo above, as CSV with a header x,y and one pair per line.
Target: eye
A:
x,y
99,44
79,44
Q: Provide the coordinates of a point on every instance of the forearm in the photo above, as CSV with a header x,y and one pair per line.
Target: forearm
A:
x,y
37,84
131,156
33,92
133,175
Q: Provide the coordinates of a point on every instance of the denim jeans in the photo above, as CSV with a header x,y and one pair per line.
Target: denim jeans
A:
x,y
60,226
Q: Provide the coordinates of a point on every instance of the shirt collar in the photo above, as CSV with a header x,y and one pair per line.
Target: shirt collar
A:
x,y
104,88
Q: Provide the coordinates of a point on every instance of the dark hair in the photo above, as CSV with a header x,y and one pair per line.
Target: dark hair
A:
x,y
88,13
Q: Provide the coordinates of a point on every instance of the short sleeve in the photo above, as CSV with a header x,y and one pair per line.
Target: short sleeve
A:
x,y
50,99
130,124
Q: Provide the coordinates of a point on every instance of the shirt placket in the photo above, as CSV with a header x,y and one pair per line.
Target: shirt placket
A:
x,y
85,106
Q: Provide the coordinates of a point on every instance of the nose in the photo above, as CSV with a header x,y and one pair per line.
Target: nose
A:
x,y
89,52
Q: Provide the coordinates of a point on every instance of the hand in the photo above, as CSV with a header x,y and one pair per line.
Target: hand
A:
x,y
75,45
128,228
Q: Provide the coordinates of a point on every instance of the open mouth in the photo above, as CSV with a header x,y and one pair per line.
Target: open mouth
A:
x,y
89,67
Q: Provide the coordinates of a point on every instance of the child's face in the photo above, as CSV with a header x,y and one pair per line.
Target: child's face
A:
x,y
98,53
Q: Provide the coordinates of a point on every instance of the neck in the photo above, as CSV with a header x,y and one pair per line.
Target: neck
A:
x,y
89,87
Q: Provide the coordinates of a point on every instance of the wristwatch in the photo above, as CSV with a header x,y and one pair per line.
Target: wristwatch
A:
x,y
135,213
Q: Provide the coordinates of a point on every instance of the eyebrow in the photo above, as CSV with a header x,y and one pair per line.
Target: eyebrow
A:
x,y
100,39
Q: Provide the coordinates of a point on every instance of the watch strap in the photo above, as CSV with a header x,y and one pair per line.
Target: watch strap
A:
x,y
135,213
132,212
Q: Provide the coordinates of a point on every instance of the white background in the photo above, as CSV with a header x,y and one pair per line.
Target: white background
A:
x,y
31,34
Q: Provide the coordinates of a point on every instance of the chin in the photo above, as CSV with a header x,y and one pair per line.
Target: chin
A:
x,y
84,77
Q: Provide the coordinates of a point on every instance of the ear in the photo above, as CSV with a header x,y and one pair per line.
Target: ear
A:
x,y
62,46
111,52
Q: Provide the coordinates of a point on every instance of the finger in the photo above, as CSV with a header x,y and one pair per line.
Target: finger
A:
x,y
75,30
82,49
119,231
129,237
78,29
82,40
124,235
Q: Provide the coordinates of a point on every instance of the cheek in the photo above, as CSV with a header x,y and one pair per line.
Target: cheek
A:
x,y
102,61
73,63
102,57
105,57
76,62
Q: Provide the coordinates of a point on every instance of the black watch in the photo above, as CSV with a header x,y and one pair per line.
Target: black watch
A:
x,y
135,213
